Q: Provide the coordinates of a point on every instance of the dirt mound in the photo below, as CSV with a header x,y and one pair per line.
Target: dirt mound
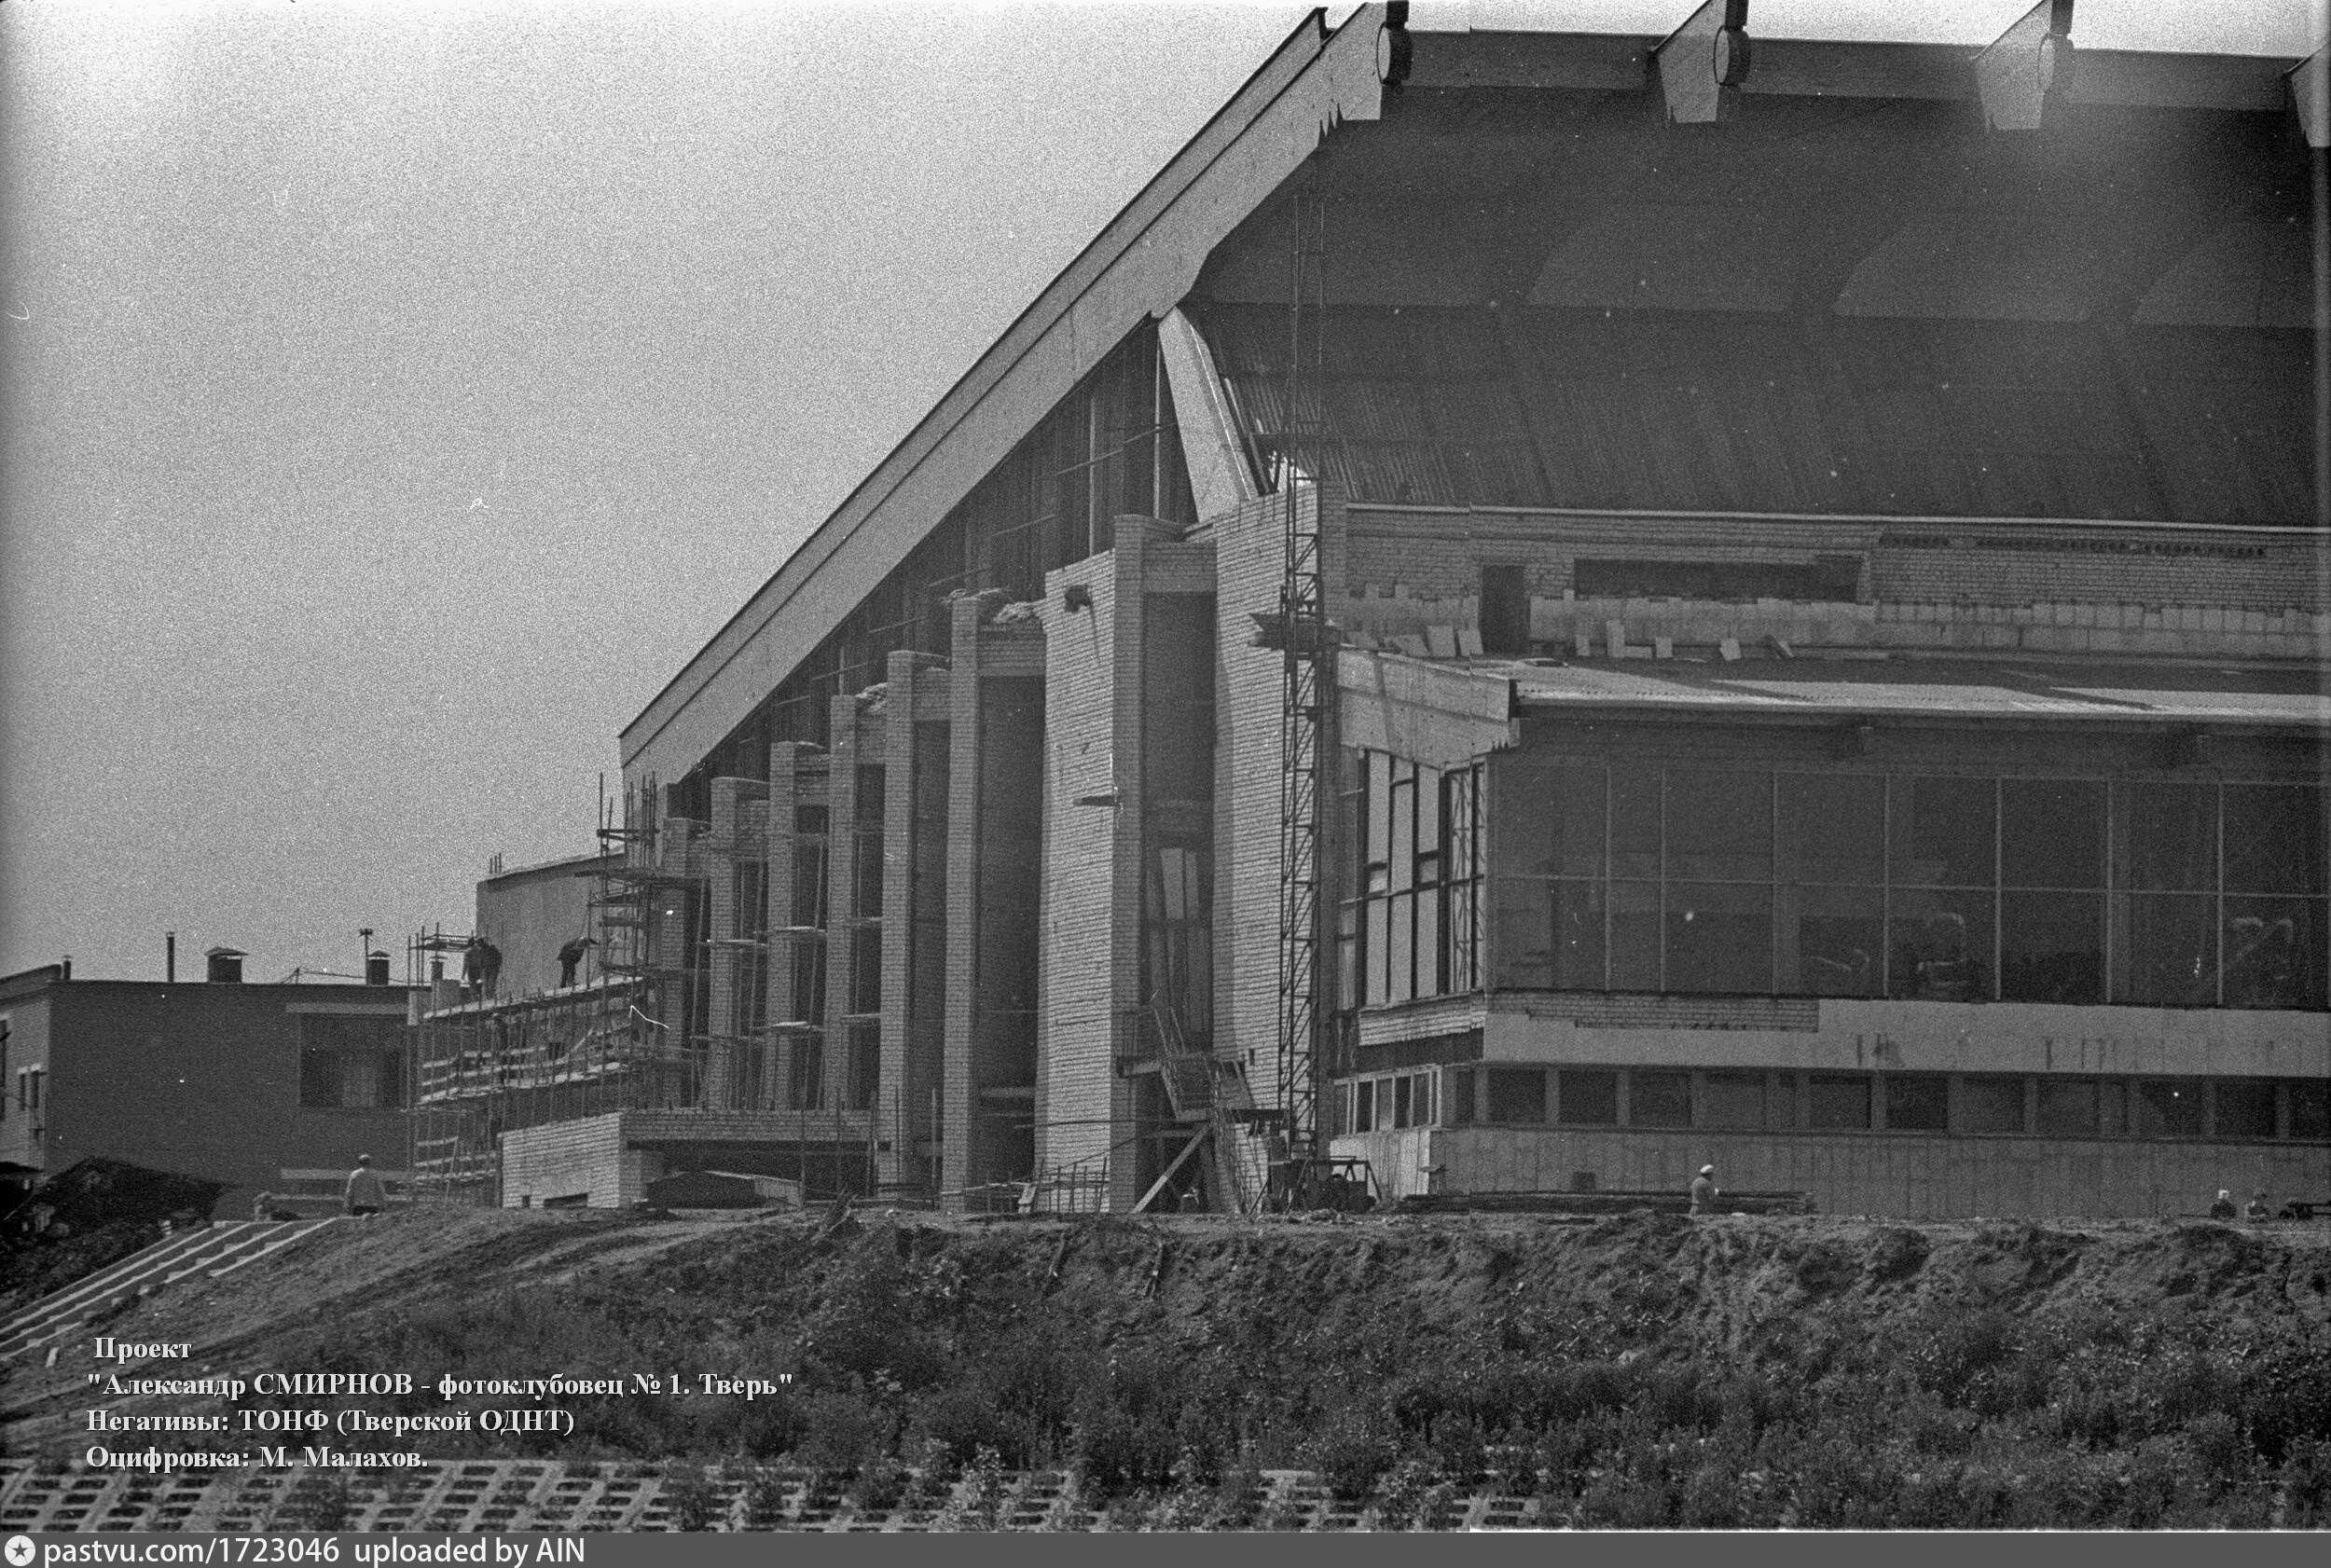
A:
x,y
1643,1370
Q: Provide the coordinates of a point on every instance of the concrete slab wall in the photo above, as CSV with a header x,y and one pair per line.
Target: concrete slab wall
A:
x,y
1832,1034
1903,1176
529,914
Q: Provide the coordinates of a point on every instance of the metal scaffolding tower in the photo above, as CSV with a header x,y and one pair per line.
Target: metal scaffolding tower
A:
x,y
1306,682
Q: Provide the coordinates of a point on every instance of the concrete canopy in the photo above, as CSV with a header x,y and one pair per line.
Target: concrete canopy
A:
x,y
1579,98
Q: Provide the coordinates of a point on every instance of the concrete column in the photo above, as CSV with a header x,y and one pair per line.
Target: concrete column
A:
x,y
914,932
959,1090
720,1023
858,743
782,837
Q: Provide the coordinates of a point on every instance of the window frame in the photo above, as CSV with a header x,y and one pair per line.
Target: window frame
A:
x,y
2113,943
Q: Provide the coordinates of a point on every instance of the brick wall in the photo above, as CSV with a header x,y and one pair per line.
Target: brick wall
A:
x,y
1090,900
564,1158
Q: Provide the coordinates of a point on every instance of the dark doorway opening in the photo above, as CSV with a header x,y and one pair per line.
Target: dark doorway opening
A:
x,y
1505,610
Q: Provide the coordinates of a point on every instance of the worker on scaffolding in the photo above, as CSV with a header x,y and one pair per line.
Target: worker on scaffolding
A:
x,y
482,966
571,958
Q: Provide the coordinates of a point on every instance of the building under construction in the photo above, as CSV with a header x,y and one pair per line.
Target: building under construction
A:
x,y
1541,609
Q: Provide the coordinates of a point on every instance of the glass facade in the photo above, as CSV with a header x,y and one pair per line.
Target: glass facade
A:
x,y
1413,928
1628,877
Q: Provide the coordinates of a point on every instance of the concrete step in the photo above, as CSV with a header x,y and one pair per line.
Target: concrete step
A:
x,y
86,1296
215,1250
305,1227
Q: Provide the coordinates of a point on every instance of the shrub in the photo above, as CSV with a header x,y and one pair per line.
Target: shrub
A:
x,y
764,1497
1401,1493
1349,1452
695,1500
1239,1496
839,1434
979,1501
2305,1483
880,1485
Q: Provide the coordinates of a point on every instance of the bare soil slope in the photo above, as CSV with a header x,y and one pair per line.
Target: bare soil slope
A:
x,y
1638,1370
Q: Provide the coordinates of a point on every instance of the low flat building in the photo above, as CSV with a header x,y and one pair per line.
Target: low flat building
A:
x,y
273,1087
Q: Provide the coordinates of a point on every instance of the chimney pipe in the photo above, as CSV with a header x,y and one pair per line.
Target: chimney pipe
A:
x,y
169,957
376,968
226,966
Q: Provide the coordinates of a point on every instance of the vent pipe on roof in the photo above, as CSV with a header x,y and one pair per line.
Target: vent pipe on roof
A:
x,y
376,968
226,966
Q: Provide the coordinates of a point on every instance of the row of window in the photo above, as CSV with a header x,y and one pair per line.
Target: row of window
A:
x,y
1413,928
1629,877
1384,1104
1860,1102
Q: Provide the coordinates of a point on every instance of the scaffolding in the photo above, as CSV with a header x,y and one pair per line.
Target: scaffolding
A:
x,y
1305,644
487,1065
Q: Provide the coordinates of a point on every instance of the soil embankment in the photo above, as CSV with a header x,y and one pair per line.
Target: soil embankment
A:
x,y
1635,1370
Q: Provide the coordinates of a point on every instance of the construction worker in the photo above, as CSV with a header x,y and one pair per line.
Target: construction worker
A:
x,y
2223,1208
474,966
2260,1212
1704,1192
571,958
365,1194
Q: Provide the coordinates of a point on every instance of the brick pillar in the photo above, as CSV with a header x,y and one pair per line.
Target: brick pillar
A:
x,y
1089,981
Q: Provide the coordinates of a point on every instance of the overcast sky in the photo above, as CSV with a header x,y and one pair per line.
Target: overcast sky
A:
x,y
396,395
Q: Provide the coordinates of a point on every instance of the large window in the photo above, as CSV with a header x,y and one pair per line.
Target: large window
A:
x,y
1937,888
351,1062
1413,928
